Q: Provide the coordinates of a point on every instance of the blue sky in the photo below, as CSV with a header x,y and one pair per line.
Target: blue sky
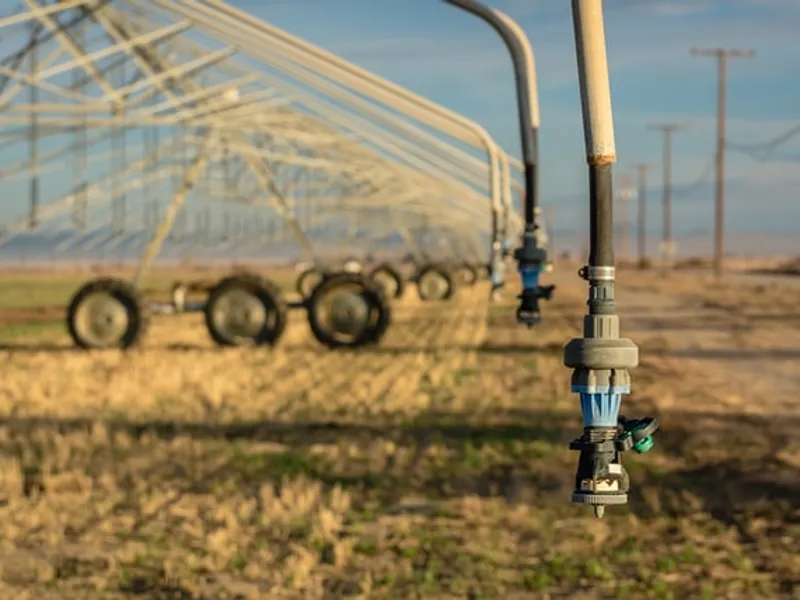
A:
x,y
456,60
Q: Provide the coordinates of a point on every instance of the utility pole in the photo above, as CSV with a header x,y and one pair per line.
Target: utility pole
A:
x,y
667,246
722,55
550,224
624,195
641,248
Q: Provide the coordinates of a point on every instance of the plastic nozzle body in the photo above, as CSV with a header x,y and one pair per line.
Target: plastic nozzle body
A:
x,y
529,274
600,405
531,260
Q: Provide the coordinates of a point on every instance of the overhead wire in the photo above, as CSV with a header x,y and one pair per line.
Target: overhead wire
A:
x,y
696,183
764,150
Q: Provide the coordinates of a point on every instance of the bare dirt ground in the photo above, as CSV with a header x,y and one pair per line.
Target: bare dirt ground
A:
x,y
434,466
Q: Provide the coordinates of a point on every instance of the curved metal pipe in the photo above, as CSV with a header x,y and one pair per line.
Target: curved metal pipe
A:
x,y
522,58
398,97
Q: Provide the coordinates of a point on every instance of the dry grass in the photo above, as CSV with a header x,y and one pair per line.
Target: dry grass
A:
x,y
434,466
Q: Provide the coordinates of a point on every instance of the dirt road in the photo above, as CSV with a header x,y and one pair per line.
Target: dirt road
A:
x,y
742,336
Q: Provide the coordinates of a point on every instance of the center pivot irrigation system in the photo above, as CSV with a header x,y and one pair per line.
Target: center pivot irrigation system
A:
x,y
232,120
181,112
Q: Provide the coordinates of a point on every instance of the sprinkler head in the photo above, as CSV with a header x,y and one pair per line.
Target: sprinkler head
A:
x,y
637,434
546,291
531,260
528,312
601,479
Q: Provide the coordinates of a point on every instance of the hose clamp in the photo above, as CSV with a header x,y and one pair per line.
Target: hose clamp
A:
x,y
590,273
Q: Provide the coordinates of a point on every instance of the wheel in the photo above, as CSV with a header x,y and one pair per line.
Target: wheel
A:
x,y
107,313
307,280
390,280
435,283
348,310
468,273
245,310
179,291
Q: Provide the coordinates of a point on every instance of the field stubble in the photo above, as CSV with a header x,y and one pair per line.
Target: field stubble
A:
x,y
435,466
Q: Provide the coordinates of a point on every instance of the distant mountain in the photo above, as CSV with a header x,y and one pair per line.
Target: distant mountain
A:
x,y
743,244
38,247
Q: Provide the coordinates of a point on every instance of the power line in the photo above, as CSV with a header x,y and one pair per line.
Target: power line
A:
x,y
763,151
700,180
770,144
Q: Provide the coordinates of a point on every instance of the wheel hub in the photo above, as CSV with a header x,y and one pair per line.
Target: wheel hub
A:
x,y
241,314
433,285
387,282
349,313
103,319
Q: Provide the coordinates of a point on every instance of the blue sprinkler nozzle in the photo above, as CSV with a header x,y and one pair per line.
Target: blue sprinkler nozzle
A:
x,y
600,405
529,276
531,260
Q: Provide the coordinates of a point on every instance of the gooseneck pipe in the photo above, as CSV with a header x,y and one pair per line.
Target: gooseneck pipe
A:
x,y
522,57
531,259
601,360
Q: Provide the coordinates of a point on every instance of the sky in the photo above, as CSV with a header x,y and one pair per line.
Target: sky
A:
x,y
456,60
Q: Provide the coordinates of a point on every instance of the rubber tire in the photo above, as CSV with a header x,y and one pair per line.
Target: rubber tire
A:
x,y
269,294
375,297
394,274
471,273
127,294
300,284
445,273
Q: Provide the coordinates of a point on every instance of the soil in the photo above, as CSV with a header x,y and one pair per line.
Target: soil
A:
x,y
435,465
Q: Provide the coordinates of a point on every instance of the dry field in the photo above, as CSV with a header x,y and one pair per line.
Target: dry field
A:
x,y
434,466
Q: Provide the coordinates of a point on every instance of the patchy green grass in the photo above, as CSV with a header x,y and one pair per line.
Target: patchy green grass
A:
x,y
29,292
32,331
434,466
34,290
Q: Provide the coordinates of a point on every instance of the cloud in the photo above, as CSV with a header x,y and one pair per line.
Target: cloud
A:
x,y
642,35
465,66
470,57
680,9
655,47
671,8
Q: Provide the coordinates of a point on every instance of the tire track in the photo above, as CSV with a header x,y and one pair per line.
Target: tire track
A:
x,y
376,383
310,374
463,343
403,386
